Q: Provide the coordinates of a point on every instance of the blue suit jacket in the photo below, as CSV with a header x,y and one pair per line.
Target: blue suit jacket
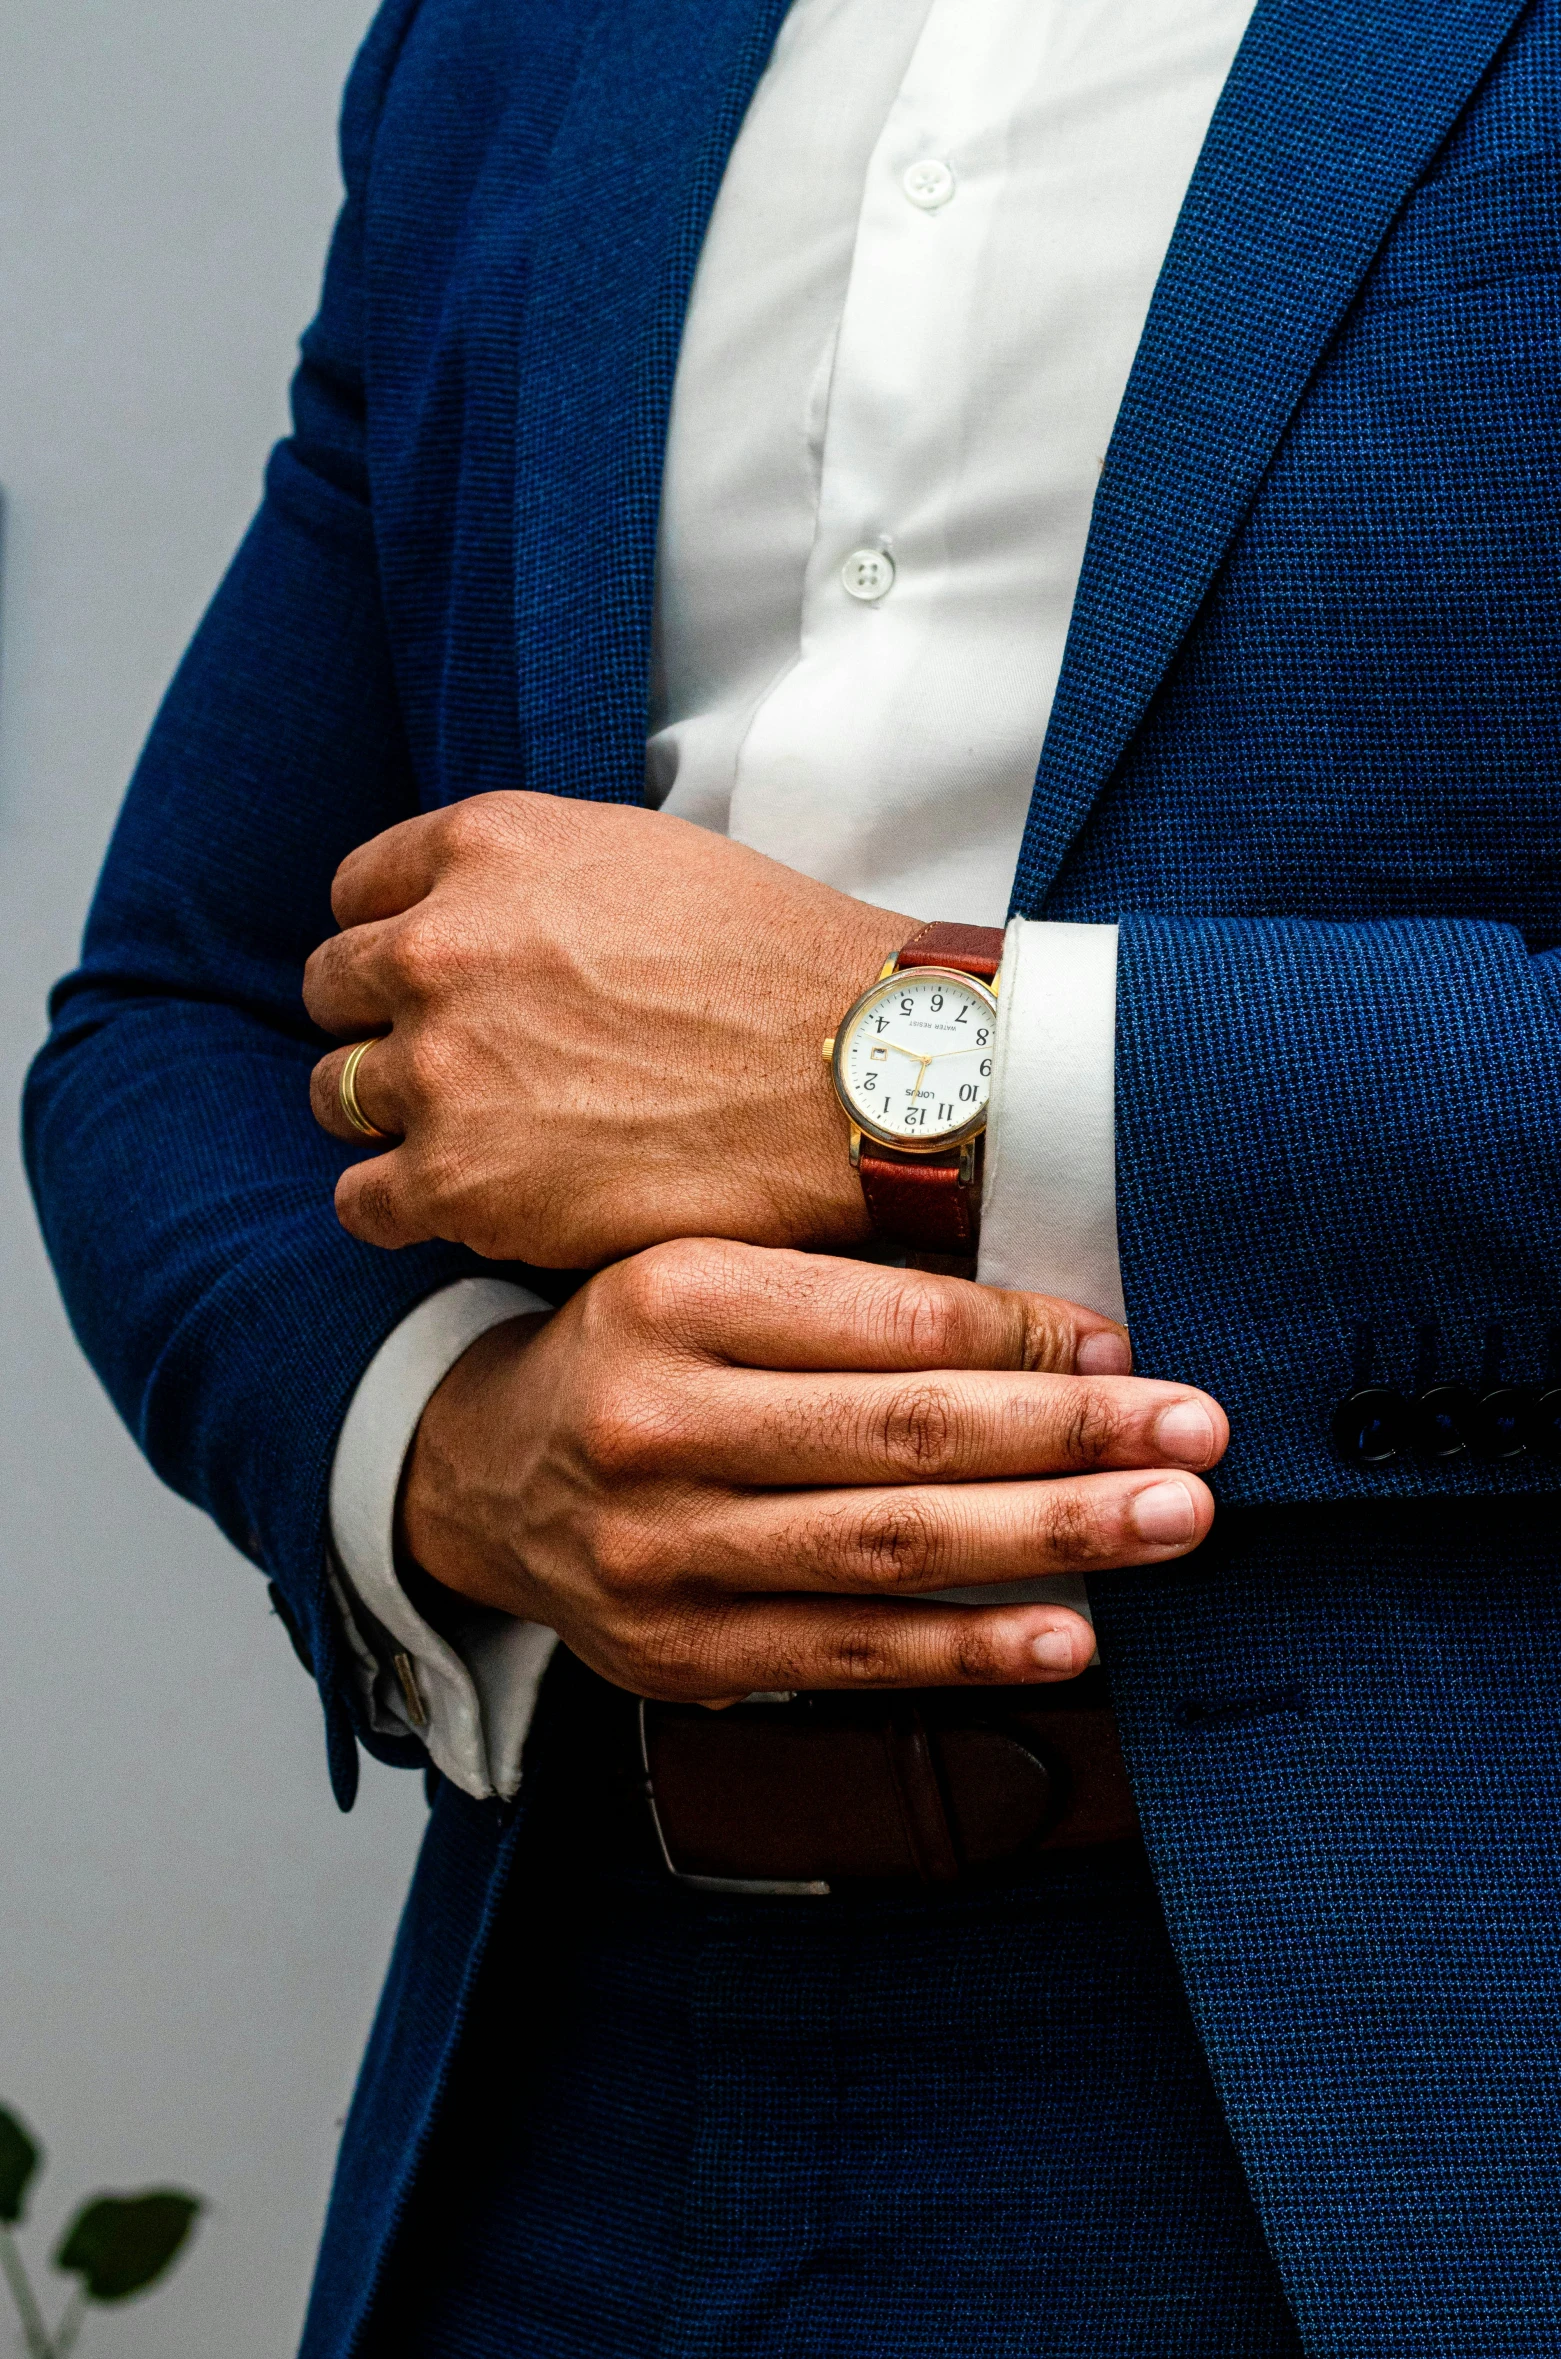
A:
x,y
1306,747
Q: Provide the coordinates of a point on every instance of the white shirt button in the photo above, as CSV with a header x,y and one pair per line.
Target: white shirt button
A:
x,y
868,574
928,184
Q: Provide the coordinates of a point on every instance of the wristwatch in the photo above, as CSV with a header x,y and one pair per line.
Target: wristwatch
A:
x,y
912,1066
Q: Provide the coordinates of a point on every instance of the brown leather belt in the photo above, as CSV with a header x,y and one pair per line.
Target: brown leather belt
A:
x,y
796,1794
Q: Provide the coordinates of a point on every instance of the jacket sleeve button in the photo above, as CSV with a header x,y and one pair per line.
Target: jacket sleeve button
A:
x,y
1372,1426
1448,1421
1506,1421
1545,1422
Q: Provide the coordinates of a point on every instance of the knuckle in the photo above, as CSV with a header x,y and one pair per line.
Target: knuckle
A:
x,y
413,954
375,1204
317,975
643,1287
1070,1529
858,1655
424,951
341,886
625,1435
1045,1337
363,1210
667,1286
1091,1422
897,1543
926,1323
974,1656
478,828
465,826
918,1432
347,1207
625,1554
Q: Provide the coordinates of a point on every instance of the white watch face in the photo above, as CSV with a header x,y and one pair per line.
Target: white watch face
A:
x,y
913,1058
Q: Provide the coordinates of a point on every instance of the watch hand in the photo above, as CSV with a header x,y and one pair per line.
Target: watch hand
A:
x,y
921,1064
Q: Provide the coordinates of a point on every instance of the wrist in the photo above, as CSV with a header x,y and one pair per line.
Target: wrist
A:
x,y
447,1509
819,1199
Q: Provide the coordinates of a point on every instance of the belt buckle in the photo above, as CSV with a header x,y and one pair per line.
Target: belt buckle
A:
x,y
740,1887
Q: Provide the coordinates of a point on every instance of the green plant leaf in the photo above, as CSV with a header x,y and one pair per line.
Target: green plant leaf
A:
x,y
20,2156
118,2245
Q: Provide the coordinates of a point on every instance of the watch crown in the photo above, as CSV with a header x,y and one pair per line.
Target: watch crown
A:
x,y
829,1048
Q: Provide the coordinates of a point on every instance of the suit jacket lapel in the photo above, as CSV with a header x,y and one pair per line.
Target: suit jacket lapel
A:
x,y
661,93
1334,108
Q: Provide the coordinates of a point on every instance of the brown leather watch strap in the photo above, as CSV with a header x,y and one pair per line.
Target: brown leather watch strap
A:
x,y
918,1200
974,950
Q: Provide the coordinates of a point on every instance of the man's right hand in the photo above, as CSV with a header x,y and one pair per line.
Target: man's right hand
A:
x,y
722,1468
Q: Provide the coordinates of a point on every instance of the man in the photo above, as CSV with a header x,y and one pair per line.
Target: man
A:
x,y
773,356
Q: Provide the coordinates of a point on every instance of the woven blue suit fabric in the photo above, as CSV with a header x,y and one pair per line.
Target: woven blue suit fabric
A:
x,y
1307,748
876,2127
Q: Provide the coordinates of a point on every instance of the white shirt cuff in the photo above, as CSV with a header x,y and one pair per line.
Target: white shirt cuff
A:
x,y
1049,1209
1049,1198
475,1697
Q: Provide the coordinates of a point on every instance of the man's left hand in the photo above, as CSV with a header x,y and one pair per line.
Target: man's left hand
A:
x,y
601,1030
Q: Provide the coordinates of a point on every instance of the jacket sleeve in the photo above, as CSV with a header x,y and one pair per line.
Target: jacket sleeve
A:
x,y
184,1190
1339,1166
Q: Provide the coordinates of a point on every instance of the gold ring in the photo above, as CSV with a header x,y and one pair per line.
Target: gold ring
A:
x,y
347,1093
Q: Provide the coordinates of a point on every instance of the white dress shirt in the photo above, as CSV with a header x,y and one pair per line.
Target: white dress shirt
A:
x,y
915,311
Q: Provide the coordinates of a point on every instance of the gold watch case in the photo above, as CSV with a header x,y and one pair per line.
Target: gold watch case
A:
x,y
835,1046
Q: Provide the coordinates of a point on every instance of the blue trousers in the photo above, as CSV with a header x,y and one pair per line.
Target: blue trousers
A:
x,y
880,2128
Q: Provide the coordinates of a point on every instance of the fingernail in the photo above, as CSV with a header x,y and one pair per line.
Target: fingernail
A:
x,y
1105,1353
1185,1431
1053,1650
1163,1514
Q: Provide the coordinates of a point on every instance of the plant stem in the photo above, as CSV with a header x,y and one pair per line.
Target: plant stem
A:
x,y
70,2323
34,2332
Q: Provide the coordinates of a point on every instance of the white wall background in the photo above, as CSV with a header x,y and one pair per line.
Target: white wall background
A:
x,y
190,1936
